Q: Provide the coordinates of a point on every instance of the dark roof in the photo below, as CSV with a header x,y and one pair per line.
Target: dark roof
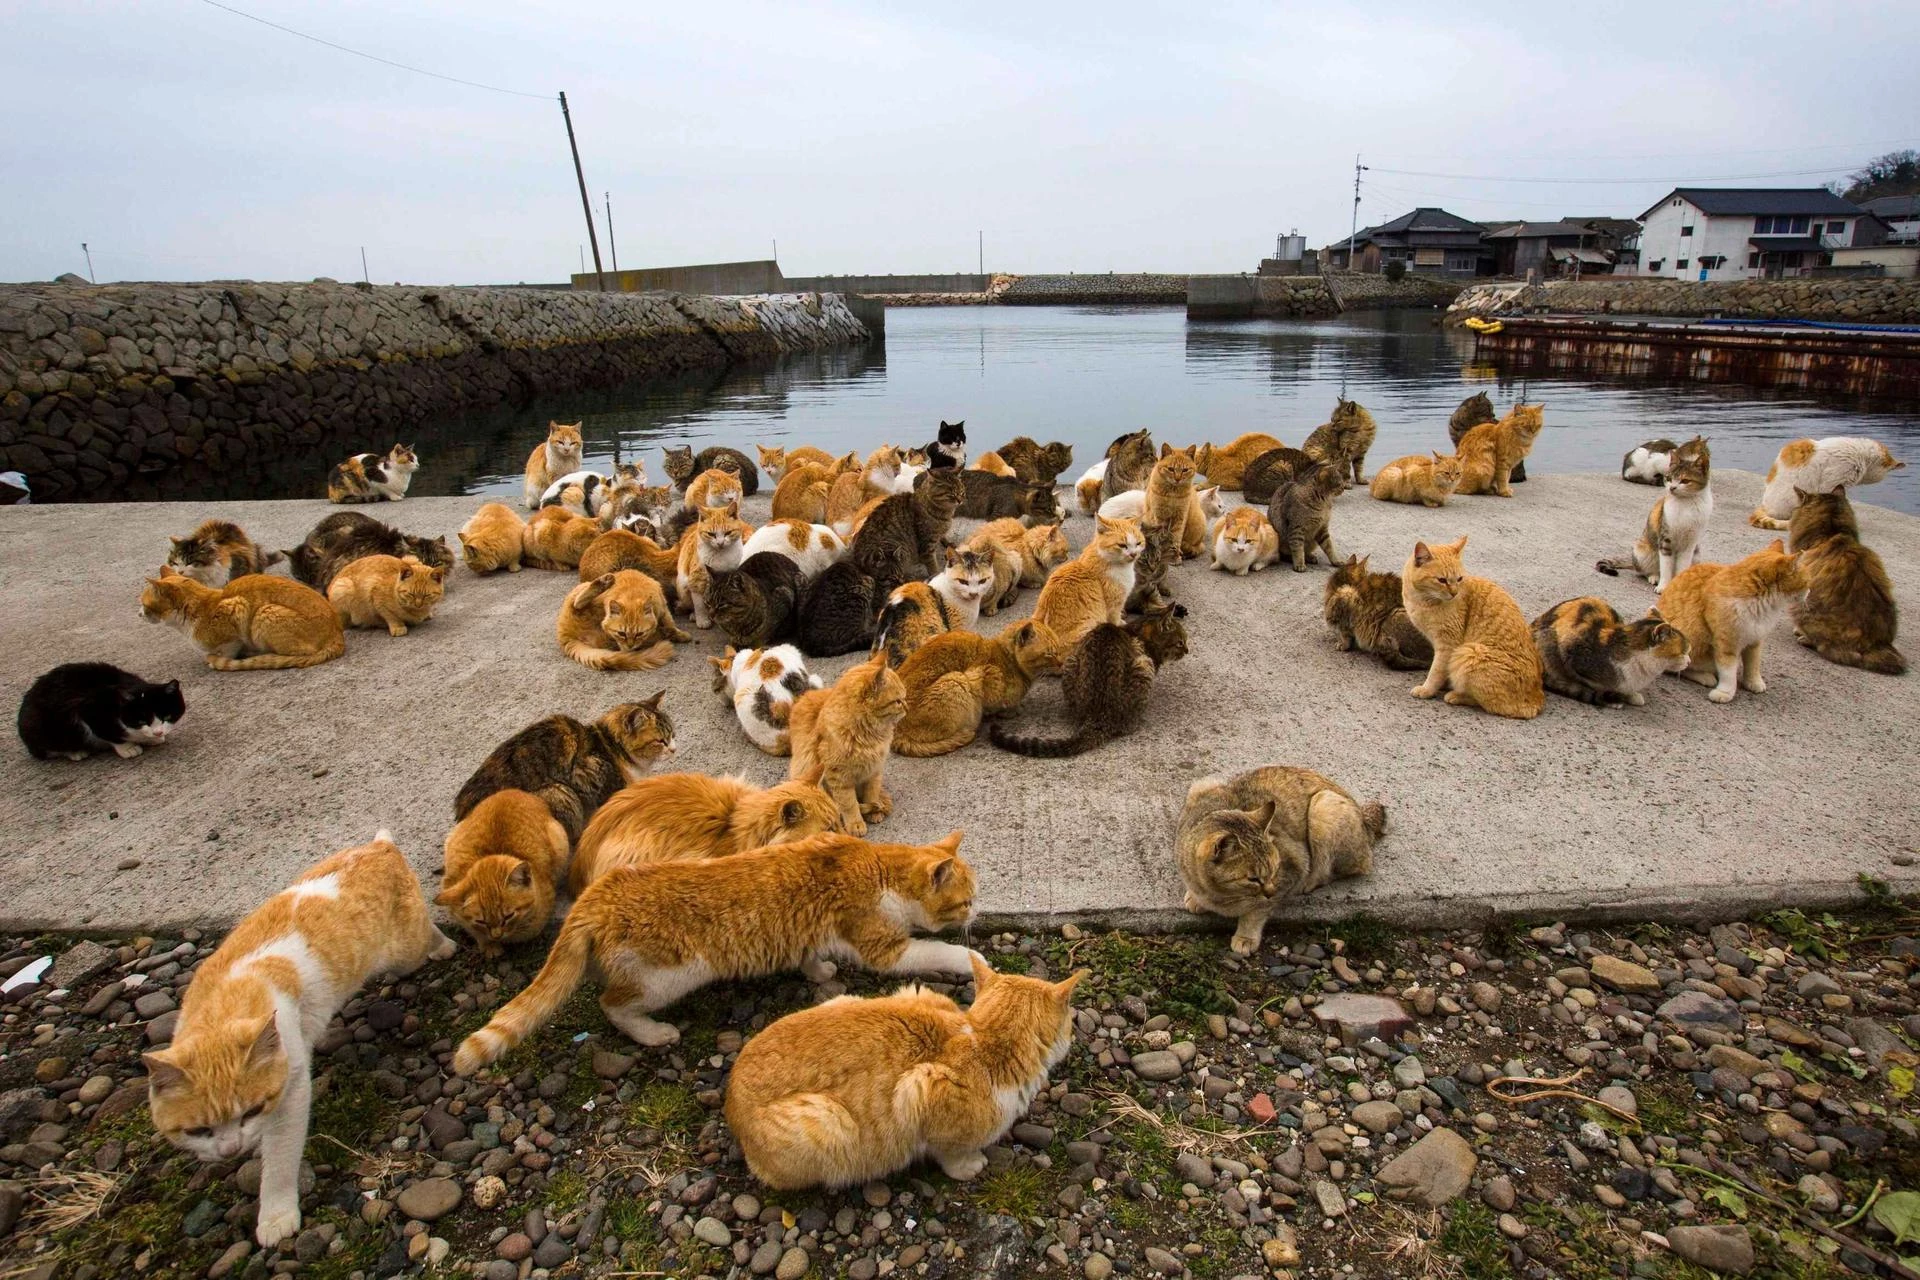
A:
x,y
1787,244
1735,201
1901,207
1619,228
1426,218
1534,230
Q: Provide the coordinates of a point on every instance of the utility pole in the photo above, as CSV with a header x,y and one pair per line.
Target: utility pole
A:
x,y
364,275
586,204
89,253
983,251
1353,228
612,249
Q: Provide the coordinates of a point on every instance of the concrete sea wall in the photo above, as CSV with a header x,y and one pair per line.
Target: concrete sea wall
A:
x,y
1861,301
1370,291
103,388
1246,297
1112,289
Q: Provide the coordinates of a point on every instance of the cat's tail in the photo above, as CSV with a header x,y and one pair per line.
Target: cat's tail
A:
x,y
1081,741
268,559
655,655
278,661
1614,568
1373,816
1884,660
1759,519
797,1136
535,1006
890,615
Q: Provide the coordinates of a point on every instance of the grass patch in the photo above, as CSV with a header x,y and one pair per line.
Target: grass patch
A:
x,y
1221,1244
1502,937
1368,937
1659,1114
1179,976
669,1109
1474,1243
1012,962
1128,1215
1019,1191
350,1112
566,1191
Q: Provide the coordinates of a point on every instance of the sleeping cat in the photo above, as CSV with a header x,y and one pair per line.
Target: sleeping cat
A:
x,y
1366,611
345,536
1021,557
949,449
236,1078
853,1090
757,603
683,466
82,707
1671,540
839,609
1092,588
762,684
949,601
1244,541
618,622
574,767
218,552
792,906
1343,440
556,456
1301,513
384,591
1849,615
1225,465
1106,682
1726,610
255,623
990,497
840,738
1819,466
493,539
953,681
369,477
1647,463
1483,654
556,539
686,816
1491,452
503,862
1588,651
1416,478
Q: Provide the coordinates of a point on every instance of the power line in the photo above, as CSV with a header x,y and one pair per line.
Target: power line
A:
x,y
374,57
1852,147
1613,182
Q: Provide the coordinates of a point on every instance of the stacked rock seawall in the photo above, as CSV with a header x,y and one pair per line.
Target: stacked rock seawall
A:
x,y
1365,291
1244,297
102,387
1121,289
1870,301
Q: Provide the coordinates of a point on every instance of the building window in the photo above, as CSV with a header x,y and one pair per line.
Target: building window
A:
x,y
1713,261
1753,259
1686,231
1679,264
1781,226
1836,228
1656,264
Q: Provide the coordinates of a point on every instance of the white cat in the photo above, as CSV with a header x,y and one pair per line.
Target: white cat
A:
x,y
762,684
811,546
1647,463
1130,505
1819,466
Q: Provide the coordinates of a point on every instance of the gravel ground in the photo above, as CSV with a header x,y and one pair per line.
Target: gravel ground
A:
x,y
1329,1108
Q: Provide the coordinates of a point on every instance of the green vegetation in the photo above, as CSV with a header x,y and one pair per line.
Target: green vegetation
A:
x,y
1181,975
1367,936
350,1110
669,1109
1473,1242
566,1191
1019,1191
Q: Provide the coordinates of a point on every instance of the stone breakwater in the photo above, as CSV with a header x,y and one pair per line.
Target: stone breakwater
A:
x,y
105,389
1873,301
1113,289
1366,291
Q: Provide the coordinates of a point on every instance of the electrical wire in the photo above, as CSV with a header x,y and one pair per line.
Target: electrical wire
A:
x,y
1611,182
374,57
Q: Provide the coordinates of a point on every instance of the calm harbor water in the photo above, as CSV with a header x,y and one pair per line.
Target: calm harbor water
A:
x,y
1085,375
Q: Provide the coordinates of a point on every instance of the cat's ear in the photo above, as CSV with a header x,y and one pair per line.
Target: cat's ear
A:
x,y
1104,524
733,508
653,703
266,1048
1421,555
177,543
983,974
162,1074
439,574
604,581
1799,494
406,573
953,557
791,812
1263,813
1064,987
1777,547
951,843
1437,456
521,877
171,686
1458,545
1166,449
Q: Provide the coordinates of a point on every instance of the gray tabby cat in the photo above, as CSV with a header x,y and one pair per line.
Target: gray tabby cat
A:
x,y
1302,510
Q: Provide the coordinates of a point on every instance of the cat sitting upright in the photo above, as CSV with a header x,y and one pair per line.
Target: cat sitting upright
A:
x,y
1671,540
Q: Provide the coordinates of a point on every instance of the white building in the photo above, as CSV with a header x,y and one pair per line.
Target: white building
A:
x,y
1713,233
1901,214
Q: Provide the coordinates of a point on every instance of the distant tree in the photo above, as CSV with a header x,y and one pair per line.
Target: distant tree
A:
x,y
1896,173
1395,271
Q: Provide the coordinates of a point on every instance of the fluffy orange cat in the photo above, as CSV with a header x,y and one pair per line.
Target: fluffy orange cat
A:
x,y
503,862
556,538
493,538
1092,588
618,622
1022,557
840,736
254,623
1223,465
1726,610
1489,452
853,490
1483,652
776,461
1417,478
690,815
386,591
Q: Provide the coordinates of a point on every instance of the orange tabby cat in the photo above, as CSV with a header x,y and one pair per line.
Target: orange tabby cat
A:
x,y
556,456
494,538
1092,588
618,549
853,490
503,861
777,461
254,623
713,488
803,491
690,815
1169,495
386,591
853,1090
1483,654
1416,478
556,538
235,1079
1022,557
766,911
955,680
1726,610
1489,452
993,464
718,541
618,622
1223,465
840,736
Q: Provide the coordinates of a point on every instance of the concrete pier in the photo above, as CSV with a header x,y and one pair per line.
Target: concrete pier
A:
x,y
1678,807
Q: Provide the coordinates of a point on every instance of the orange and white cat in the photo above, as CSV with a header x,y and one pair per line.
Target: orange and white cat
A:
x,y
1093,587
618,622
237,1077
718,541
841,735
493,538
1245,541
1726,610
556,456
854,1090
1819,466
810,546
689,815
1483,653
503,862
386,591
713,488
1022,557
255,623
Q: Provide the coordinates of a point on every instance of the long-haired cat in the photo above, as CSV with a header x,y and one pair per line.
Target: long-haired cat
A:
x,y
1301,513
618,622
1489,453
1726,610
1021,557
839,609
1483,654
574,767
503,862
1343,440
385,591
1105,683
840,737
1034,462
1270,470
552,458
618,549
792,906
1093,587
372,477
756,604
718,541
556,539
762,684
1417,478
1365,610
1647,463
345,536
683,466
1169,495
690,815
776,460
1671,540
1588,651
853,1090
218,552
1244,542
1225,464
1248,843
1849,616
949,601
82,707
905,537
1819,466
956,680
811,547
235,1079
255,623
493,538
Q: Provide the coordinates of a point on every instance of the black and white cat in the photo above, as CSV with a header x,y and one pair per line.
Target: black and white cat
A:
x,y
950,450
83,707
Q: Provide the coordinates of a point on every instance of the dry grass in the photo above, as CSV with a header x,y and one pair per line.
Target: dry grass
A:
x,y
70,1197
1174,1133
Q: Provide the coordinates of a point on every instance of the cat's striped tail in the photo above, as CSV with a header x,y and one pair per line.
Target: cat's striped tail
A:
x,y
534,1007
1614,568
278,661
1081,741
1885,660
655,655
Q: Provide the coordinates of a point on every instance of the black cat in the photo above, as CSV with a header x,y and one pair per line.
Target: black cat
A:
x,y
84,707
950,450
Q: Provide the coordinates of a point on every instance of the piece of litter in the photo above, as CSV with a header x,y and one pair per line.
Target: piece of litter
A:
x,y
28,974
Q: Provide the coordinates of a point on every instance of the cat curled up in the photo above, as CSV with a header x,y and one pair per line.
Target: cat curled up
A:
x,y
369,477
1671,540
345,536
1726,610
237,1077
493,538
618,622
573,767
682,816
557,539
503,862
792,906
956,680
256,623
762,684
1222,464
82,707
1427,481
1849,615
1105,683
218,552
1588,651
385,591
840,737
1483,654
853,1090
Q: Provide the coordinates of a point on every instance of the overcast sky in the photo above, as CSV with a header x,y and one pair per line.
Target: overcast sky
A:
x,y
183,142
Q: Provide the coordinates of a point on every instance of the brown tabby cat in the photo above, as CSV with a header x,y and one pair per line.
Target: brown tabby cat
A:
x,y
1483,654
1130,461
1225,464
787,907
690,815
1414,478
1588,651
1365,611
493,538
1247,843
556,538
905,536
574,767
558,455
1268,471
1301,513
1726,610
1488,453
1471,412
840,736
1343,440
957,679
1092,588
1106,682
1849,616
1021,557
218,552
255,623
384,591
618,622
618,549
1169,493
503,862
1036,463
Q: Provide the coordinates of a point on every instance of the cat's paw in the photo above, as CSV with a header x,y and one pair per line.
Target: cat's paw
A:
x,y
1425,691
1755,685
1244,945
655,1035
1719,695
125,750
1192,903
1455,698
854,824
818,969
397,629
443,947
276,1225
963,1168
1636,699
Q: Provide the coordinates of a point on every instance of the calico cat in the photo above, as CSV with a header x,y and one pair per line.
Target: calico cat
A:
x,y
788,907
956,680
905,537
552,458
762,684
949,449
1483,654
718,541
1474,410
1415,478
1343,440
1263,476
686,816
1245,541
759,602
1490,452
1130,461
1150,573
1819,466
1225,464
949,601
503,862
384,591
991,497
1093,587
618,549
630,505
1248,843
1366,611
557,539
683,466
1588,651
1086,490
1034,462
369,477
493,538
840,736
839,609
235,1079
585,493
1169,495
255,623
1726,610
82,707
1106,682
811,547
713,488
1648,463
345,536
1301,513
1849,616
218,552
853,1090
618,622
574,767
1671,540
777,461
1021,557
